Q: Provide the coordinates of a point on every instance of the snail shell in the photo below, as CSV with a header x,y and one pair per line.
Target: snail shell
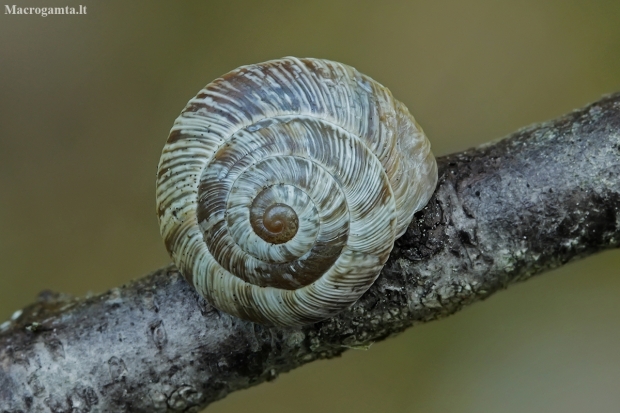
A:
x,y
284,184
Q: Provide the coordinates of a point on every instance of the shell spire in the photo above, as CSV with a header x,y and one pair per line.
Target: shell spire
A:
x,y
283,185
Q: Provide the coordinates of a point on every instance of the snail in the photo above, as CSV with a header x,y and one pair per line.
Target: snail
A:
x,y
283,185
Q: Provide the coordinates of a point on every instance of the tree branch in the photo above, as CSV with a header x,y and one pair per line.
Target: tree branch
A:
x,y
501,213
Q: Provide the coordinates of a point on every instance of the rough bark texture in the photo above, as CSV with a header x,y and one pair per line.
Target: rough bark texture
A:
x,y
503,212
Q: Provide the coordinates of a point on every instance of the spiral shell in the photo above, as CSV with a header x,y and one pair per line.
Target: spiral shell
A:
x,y
283,186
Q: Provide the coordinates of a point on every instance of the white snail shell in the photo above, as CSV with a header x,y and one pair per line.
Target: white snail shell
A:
x,y
284,184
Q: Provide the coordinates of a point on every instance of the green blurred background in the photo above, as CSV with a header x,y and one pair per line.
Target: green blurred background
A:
x,y
86,103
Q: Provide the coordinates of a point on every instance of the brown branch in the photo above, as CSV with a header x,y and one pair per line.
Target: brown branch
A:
x,y
503,212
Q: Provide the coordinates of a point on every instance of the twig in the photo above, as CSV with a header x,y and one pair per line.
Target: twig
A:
x,y
546,195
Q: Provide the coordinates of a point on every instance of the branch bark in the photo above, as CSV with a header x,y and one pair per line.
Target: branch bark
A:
x,y
505,211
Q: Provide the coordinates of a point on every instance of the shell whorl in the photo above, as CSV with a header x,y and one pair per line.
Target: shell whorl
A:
x,y
283,186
